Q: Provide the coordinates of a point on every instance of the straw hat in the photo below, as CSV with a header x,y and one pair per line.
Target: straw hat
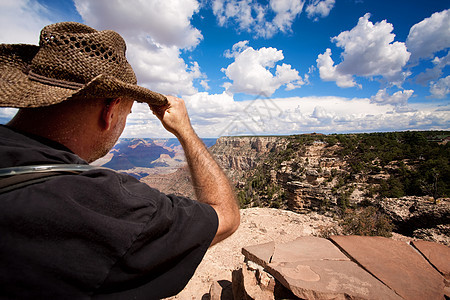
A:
x,y
71,60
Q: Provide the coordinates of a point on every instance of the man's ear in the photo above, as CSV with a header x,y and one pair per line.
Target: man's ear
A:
x,y
110,113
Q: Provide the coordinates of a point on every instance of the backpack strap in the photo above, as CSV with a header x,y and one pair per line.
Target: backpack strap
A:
x,y
19,177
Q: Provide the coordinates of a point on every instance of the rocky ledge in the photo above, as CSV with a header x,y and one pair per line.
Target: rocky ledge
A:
x,y
214,276
344,267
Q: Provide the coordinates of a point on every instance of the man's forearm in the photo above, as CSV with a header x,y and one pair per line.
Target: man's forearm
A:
x,y
210,182
211,185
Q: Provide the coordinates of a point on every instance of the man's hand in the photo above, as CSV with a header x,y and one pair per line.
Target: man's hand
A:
x,y
211,185
174,116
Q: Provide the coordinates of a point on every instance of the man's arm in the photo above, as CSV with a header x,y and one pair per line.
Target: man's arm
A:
x,y
210,183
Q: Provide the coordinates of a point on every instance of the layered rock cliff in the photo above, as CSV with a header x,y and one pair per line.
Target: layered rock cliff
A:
x,y
240,155
272,171
316,172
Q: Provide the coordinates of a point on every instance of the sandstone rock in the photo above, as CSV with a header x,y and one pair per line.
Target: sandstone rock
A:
x,y
301,249
305,196
249,286
396,264
307,248
438,255
237,155
323,279
260,254
314,268
221,290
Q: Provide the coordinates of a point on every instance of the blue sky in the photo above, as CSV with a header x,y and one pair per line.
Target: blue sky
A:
x,y
273,66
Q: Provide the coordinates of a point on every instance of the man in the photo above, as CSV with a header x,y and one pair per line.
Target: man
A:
x,y
94,234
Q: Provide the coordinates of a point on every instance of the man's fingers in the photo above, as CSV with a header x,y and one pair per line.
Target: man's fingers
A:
x,y
158,110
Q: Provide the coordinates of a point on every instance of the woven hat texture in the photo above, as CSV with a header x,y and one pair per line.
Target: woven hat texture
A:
x,y
72,60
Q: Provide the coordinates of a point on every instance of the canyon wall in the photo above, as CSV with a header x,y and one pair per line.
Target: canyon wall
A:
x,y
313,173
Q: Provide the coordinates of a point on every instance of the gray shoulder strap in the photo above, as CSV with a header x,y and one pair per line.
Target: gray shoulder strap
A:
x,y
18,177
71,168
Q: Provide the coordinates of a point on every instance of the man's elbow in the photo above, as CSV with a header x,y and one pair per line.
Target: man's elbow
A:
x,y
228,224
235,221
235,217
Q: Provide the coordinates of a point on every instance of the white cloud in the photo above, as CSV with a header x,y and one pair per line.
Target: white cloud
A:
x,y
251,71
155,32
162,69
246,13
251,16
204,106
142,123
319,8
167,23
6,114
236,49
441,88
285,13
369,50
429,36
214,115
22,20
399,98
328,71
204,84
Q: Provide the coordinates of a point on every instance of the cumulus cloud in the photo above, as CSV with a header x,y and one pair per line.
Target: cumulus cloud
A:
x,y
441,88
429,36
251,71
319,8
167,23
156,31
399,98
328,71
162,69
214,115
310,114
27,17
369,51
251,16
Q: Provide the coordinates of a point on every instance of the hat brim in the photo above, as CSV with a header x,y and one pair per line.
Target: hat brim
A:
x,y
18,90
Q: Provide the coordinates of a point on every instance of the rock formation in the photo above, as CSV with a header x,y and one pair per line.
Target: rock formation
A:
x,y
299,175
317,268
282,259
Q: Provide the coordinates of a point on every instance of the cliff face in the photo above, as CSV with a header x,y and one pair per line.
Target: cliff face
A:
x,y
302,177
240,155
314,173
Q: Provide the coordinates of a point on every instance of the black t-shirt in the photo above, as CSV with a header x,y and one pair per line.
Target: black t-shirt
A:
x,y
99,234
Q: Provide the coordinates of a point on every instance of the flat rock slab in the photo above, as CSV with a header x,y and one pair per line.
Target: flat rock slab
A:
x,y
396,264
437,254
260,254
314,268
329,279
307,248
302,249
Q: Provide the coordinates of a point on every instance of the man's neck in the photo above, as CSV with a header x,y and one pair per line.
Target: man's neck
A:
x,y
72,136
